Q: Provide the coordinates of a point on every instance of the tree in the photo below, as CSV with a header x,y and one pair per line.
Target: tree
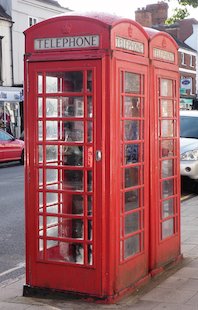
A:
x,y
182,11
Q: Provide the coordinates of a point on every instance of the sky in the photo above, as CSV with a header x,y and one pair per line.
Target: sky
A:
x,y
125,8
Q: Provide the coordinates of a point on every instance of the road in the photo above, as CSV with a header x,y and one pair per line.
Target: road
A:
x,y
11,221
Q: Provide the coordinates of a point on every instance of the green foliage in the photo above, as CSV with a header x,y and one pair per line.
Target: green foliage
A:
x,y
182,11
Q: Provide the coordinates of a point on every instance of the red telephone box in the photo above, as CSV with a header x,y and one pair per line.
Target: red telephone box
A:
x,y
87,141
164,137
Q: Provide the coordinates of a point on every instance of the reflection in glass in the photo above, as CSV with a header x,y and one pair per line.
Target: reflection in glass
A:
x,y
51,153
51,198
167,168
89,233
40,130
40,107
73,180
167,128
72,228
131,200
166,108
167,148
89,107
73,81
41,201
132,82
73,155
40,176
74,131
51,176
166,87
40,84
131,130
132,107
77,204
167,228
89,251
52,209
51,107
90,204
131,246
89,181
131,176
131,153
51,83
167,208
131,222
89,131
40,149
51,130
167,188
73,106
89,81
40,225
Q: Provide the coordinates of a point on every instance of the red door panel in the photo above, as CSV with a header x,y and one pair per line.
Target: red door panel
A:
x,y
62,195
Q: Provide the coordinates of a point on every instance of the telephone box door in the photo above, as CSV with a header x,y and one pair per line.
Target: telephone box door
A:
x,y
63,240
165,176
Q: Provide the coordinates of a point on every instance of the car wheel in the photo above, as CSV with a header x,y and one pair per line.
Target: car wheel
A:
x,y
22,158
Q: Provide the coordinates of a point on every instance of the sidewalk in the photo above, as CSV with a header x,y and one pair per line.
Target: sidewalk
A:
x,y
177,289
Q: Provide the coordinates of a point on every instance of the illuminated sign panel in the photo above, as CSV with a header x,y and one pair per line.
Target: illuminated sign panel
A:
x,y
67,42
129,45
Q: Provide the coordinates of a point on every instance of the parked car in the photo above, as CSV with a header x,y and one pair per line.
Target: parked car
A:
x,y
11,149
189,145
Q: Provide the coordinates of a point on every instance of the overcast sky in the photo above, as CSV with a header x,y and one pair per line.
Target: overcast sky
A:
x,y
125,8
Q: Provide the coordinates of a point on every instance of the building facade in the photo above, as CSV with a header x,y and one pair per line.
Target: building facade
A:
x,y
15,17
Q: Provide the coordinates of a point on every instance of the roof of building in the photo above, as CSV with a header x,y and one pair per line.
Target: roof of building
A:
x,y
4,15
52,2
182,44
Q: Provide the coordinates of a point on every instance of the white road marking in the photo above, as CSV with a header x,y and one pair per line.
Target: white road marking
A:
x,y
19,266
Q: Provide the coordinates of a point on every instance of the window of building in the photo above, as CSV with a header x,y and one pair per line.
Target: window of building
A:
x,y
191,61
32,21
182,58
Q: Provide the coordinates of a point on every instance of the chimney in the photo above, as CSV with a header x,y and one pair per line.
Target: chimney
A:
x,y
153,14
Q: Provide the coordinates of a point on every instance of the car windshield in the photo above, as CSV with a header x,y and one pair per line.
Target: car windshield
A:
x,y
189,127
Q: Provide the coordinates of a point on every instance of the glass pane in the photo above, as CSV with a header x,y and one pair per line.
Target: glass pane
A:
x,y
89,181
89,81
167,188
89,131
167,208
40,176
89,107
89,234
67,252
51,153
51,83
167,147
40,149
131,223
73,180
166,108
131,153
51,130
74,131
131,130
73,106
40,201
40,225
132,83
77,204
166,87
131,246
167,228
131,176
132,107
90,205
89,252
51,107
167,168
167,128
40,107
40,84
52,209
131,200
73,155
40,131
73,81
51,176
72,228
